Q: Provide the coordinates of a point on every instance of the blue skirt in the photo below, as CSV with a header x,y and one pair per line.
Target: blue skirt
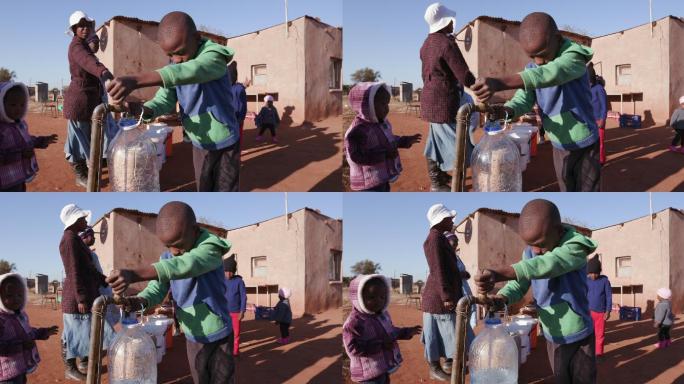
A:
x,y
77,145
76,334
439,335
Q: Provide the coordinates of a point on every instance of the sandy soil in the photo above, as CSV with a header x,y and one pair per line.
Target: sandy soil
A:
x,y
313,356
307,158
630,356
637,160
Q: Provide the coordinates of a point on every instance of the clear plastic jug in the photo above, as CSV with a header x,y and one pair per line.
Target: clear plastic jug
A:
x,y
495,162
132,355
493,356
133,164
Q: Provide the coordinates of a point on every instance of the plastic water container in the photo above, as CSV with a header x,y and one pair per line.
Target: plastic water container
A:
x,y
524,136
493,356
495,162
133,164
156,326
158,134
523,326
132,355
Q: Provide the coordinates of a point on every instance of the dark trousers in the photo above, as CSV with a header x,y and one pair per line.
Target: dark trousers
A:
x,y
211,363
21,379
573,363
284,330
664,332
578,170
385,187
679,138
217,171
17,188
382,379
264,127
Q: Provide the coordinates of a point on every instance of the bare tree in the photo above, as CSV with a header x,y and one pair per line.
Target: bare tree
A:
x,y
570,28
215,31
213,222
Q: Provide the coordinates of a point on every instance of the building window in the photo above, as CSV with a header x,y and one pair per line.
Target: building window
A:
x,y
259,266
335,80
623,74
623,266
259,74
335,270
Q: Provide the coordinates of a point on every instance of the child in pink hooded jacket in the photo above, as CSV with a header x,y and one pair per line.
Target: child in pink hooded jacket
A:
x,y
17,156
369,336
370,145
18,352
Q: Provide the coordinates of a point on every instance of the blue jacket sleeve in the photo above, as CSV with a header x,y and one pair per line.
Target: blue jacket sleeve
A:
x,y
243,104
609,295
243,296
602,102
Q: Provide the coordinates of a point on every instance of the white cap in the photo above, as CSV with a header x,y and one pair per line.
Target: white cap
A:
x,y
268,98
438,16
665,293
437,213
71,213
681,100
75,18
284,292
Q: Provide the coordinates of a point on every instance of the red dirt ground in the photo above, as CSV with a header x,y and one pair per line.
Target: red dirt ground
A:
x,y
637,160
307,158
629,354
313,356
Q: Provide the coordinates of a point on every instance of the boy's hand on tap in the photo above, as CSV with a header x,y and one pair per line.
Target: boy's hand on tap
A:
x,y
136,109
487,278
121,87
133,303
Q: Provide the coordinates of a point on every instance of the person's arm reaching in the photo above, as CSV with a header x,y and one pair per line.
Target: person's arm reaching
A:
x,y
609,298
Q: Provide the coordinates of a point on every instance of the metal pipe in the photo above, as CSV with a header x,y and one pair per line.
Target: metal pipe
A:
x,y
96,142
462,315
462,123
96,333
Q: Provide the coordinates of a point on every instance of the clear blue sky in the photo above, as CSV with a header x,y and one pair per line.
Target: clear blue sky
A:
x,y
388,38
390,228
34,44
31,229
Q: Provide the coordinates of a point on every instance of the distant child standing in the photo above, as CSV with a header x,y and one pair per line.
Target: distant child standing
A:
x,y
282,315
663,318
237,300
599,101
267,118
239,97
369,337
18,352
370,146
677,123
18,164
600,296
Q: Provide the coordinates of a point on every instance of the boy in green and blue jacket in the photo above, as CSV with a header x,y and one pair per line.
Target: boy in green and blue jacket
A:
x,y
199,82
558,81
192,269
554,265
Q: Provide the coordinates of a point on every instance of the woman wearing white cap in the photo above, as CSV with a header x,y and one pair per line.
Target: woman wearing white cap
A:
x,y
677,123
83,95
443,289
81,288
444,71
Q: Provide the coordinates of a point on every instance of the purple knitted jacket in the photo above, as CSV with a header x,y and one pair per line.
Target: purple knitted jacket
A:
x,y
365,334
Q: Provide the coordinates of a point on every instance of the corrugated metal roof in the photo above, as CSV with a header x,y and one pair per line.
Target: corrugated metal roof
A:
x,y
680,19
513,22
134,212
316,19
641,217
498,212
212,36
